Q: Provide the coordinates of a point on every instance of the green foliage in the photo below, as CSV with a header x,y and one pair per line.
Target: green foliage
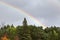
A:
x,y
30,32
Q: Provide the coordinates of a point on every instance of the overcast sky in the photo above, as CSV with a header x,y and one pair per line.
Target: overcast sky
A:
x,y
46,11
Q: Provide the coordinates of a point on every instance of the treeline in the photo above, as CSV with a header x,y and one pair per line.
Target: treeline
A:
x,y
29,32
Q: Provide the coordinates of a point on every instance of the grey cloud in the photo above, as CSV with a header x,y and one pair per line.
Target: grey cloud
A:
x,y
49,10
9,15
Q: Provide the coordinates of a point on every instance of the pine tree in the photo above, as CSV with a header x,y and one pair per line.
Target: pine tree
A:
x,y
25,28
26,31
25,22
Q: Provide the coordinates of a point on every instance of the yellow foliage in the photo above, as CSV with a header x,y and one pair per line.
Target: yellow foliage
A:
x,y
4,38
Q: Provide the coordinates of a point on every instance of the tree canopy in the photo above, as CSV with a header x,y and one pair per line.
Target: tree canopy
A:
x,y
29,32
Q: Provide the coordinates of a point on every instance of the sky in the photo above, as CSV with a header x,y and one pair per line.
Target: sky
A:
x,y
46,11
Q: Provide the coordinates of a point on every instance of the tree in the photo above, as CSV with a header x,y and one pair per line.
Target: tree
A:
x,y
24,32
25,22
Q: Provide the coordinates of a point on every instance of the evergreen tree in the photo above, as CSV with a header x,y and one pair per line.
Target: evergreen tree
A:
x,y
26,31
25,22
23,31
30,32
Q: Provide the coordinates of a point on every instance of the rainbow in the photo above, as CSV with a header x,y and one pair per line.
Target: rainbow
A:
x,y
24,12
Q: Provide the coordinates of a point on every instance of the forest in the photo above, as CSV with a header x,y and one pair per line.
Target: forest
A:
x,y
29,32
